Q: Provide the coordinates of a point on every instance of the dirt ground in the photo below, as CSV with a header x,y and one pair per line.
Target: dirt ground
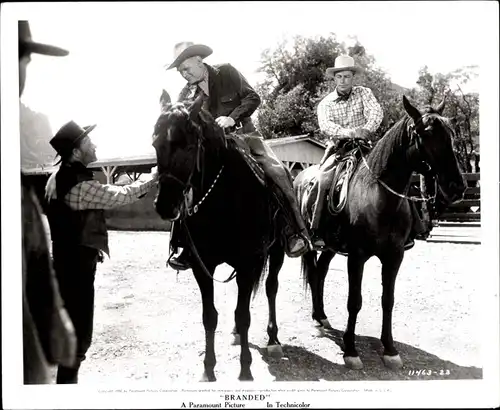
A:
x,y
148,319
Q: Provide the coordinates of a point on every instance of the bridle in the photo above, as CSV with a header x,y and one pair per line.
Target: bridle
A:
x,y
413,129
187,186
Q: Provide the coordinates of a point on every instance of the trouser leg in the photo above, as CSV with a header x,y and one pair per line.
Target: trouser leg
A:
x,y
75,269
323,183
276,171
418,227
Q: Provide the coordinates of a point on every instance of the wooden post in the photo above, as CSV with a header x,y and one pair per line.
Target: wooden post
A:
x,y
425,211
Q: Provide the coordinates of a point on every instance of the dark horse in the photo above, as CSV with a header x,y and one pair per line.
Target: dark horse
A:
x,y
230,219
376,219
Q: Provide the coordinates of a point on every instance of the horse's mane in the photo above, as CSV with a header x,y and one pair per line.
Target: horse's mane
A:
x,y
211,133
396,138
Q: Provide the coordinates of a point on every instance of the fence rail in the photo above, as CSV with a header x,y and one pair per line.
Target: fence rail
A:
x,y
468,209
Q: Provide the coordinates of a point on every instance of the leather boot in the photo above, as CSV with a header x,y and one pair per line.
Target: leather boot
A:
x,y
181,262
418,229
299,242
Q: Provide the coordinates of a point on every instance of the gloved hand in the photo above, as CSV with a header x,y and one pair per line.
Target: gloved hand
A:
x,y
363,134
224,122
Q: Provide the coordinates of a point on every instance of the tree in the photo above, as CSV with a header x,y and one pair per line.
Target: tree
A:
x,y
295,77
462,108
295,83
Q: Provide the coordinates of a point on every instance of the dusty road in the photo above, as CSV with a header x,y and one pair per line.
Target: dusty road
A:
x,y
148,319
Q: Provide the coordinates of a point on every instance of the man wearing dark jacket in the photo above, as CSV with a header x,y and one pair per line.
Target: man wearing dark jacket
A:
x,y
48,334
231,101
78,230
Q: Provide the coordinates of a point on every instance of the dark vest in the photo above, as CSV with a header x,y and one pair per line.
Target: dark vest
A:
x,y
75,228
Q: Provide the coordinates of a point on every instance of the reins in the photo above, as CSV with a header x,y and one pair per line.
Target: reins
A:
x,y
200,261
423,198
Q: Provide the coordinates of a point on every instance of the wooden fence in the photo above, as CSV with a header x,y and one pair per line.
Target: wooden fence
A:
x,y
467,210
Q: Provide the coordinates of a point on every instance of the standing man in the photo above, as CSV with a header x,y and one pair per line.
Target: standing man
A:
x,y
48,334
231,101
346,113
78,230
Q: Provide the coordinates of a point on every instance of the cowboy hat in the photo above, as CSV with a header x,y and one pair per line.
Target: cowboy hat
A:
x,y
187,49
26,44
67,138
342,63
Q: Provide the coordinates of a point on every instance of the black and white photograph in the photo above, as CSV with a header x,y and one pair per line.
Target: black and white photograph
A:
x,y
250,204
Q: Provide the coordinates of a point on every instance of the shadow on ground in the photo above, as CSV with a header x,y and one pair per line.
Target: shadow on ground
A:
x,y
299,364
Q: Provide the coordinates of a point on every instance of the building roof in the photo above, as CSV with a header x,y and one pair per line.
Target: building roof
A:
x,y
145,159
150,159
297,138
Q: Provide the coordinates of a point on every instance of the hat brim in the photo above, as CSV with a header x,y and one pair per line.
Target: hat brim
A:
x,y
331,71
87,129
194,50
45,49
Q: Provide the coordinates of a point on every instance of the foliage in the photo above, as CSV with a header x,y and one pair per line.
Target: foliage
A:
x,y
462,108
295,83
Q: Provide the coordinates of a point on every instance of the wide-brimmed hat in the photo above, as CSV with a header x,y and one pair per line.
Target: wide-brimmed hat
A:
x,y
68,137
342,63
28,45
187,49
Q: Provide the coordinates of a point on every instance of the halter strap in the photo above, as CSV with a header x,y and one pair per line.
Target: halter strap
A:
x,y
392,191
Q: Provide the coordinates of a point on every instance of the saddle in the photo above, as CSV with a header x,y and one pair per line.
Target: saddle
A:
x,y
346,160
239,145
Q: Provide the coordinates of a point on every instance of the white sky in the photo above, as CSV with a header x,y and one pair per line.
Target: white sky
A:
x,y
114,73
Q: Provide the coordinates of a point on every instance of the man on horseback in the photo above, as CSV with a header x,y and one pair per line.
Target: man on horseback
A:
x,y
76,204
349,112
231,101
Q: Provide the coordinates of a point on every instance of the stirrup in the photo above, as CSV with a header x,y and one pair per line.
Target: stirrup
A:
x,y
300,251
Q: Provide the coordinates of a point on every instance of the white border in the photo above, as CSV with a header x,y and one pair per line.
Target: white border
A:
x,y
479,393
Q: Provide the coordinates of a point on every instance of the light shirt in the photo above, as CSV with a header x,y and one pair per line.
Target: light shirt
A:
x,y
340,118
94,195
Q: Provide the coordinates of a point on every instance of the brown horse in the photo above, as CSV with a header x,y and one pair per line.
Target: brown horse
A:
x,y
376,219
231,218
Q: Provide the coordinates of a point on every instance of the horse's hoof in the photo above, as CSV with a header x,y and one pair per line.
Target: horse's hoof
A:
x,y
322,328
327,327
393,362
208,377
245,377
236,339
353,362
275,351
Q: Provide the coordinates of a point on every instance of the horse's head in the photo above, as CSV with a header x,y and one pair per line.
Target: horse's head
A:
x,y
433,138
184,135
177,140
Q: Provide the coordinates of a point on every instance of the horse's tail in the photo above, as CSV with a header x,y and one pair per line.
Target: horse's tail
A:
x,y
307,262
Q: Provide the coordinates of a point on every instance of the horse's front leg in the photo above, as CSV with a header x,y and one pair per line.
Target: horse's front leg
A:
x,y
355,266
316,274
210,317
245,279
390,267
323,265
276,258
